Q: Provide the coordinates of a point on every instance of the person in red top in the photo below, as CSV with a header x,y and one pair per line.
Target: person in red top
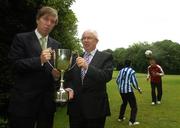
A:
x,y
155,72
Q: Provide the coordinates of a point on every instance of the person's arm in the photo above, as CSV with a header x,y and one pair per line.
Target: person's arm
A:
x,y
118,78
148,74
17,56
50,66
68,84
161,71
70,93
102,75
68,77
135,83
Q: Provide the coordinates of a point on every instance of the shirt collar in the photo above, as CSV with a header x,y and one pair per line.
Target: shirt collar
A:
x,y
92,52
39,36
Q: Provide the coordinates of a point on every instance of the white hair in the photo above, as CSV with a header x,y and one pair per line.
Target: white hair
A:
x,y
94,32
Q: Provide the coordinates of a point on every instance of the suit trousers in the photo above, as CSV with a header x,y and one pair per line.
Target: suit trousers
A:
x,y
131,99
80,122
42,120
153,91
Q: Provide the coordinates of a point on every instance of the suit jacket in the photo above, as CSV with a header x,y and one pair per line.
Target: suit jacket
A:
x,y
91,99
34,84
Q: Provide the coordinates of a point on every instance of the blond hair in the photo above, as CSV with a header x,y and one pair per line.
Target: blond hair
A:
x,y
47,11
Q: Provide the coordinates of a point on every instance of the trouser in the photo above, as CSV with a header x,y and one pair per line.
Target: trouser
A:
x,y
159,91
131,99
80,122
41,121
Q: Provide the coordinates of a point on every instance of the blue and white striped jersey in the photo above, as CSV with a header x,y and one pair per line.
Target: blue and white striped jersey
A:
x,y
126,79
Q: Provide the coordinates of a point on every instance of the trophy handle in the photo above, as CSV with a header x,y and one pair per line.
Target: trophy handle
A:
x,y
53,57
75,52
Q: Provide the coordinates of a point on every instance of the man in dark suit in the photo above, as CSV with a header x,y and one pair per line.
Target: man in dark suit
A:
x,y
32,99
89,103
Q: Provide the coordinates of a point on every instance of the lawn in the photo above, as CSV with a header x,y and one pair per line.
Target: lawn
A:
x,y
165,115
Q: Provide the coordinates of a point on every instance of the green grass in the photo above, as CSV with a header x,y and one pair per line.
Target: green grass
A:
x,y
166,115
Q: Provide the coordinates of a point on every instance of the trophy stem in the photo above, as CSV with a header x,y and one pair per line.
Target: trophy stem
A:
x,y
62,80
62,95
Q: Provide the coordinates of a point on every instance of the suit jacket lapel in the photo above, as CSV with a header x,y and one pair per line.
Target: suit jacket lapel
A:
x,y
95,58
49,43
36,44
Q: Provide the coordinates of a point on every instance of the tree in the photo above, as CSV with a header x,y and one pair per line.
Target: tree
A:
x,y
66,30
108,51
166,52
119,57
20,16
135,53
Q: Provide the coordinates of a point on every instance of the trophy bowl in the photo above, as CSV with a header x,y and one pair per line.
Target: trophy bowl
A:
x,y
62,61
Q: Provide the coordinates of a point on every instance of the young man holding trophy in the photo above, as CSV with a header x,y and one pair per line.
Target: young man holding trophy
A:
x,y
89,105
32,99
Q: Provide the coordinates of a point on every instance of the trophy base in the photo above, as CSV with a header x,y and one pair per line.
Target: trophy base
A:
x,y
61,96
61,100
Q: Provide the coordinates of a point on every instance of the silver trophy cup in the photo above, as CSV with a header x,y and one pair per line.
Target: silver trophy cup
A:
x,y
62,61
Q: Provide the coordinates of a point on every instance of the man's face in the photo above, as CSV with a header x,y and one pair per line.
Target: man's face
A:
x,y
89,41
152,62
45,24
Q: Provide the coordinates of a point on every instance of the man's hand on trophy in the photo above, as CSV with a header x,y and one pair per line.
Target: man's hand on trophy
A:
x,y
55,74
70,92
45,55
81,62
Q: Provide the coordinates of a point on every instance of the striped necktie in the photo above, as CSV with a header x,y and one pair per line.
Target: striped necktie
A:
x,y
43,43
83,71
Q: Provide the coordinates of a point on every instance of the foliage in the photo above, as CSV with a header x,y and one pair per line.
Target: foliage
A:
x,y
108,51
20,16
66,30
119,57
166,52
168,55
15,17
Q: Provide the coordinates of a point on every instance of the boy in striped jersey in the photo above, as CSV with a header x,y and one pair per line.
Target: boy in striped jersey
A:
x,y
125,80
155,72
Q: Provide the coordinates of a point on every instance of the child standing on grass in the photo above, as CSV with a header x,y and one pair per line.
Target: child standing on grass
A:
x,y
155,72
125,80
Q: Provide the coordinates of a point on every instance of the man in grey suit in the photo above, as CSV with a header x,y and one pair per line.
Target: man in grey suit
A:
x,y
89,103
32,99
